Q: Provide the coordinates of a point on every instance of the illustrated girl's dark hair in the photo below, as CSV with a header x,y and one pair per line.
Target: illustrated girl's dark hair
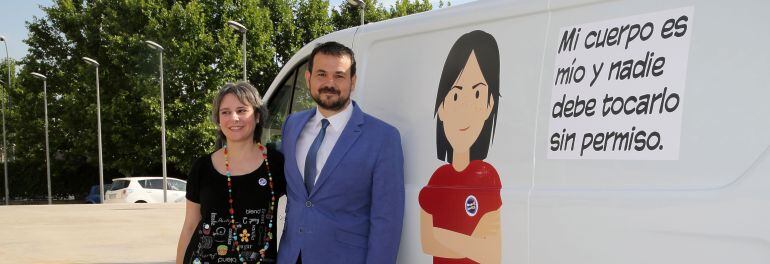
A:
x,y
484,46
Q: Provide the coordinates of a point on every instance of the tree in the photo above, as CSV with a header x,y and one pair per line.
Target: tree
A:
x,y
200,54
286,38
406,7
312,20
345,15
6,87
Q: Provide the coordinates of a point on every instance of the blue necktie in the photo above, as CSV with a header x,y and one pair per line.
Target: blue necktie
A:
x,y
310,160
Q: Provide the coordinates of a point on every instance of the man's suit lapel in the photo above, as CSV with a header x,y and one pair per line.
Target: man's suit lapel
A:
x,y
294,175
349,135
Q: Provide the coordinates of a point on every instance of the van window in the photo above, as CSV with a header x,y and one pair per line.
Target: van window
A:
x,y
292,96
278,109
301,99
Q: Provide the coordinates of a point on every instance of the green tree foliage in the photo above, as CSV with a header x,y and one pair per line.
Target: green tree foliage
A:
x,y
345,15
312,20
285,38
406,7
200,54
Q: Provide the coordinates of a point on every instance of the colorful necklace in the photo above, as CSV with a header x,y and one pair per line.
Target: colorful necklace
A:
x,y
233,229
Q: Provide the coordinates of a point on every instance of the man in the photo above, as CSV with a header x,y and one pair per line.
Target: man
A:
x,y
344,172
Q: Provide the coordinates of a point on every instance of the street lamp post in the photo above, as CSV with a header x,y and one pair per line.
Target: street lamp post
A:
x,y
94,63
5,149
361,6
240,28
47,156
5,159
159,48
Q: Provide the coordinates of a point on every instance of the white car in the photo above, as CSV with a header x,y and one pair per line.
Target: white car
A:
x,y
145,190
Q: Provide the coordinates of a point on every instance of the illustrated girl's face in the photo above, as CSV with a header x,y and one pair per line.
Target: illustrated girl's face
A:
x,y
466,107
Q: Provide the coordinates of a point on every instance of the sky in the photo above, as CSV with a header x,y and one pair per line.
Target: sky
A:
x,y
15,13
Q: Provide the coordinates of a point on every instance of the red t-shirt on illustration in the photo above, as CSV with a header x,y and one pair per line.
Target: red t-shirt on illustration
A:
x,y
458,200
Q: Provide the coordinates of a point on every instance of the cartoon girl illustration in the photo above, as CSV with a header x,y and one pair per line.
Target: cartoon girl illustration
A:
x,y
460,216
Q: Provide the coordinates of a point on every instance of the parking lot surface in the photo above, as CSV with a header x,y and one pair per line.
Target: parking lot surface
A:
x,y
84,233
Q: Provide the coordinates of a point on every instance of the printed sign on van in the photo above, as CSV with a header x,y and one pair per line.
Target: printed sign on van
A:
x,y
618,88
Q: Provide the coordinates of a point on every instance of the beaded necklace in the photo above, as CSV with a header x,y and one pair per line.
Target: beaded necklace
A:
x,y
269,216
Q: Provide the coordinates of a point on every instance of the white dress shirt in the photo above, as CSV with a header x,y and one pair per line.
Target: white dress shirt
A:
x,y
337,123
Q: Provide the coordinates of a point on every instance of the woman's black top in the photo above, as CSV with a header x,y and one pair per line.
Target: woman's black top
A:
x,y
212,241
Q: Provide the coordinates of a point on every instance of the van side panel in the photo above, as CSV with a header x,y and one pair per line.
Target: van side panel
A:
x,y
707,206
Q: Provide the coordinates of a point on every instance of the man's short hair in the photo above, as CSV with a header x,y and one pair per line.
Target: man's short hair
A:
x,y
336,49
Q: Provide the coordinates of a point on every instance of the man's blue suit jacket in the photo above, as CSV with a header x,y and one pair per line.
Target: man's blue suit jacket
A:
x,y
355,211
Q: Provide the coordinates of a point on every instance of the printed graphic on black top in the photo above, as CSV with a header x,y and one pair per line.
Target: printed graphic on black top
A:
x,y
215,238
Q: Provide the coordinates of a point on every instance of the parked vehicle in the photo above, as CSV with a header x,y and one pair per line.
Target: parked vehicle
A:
x,y
93,194
144,190
602,156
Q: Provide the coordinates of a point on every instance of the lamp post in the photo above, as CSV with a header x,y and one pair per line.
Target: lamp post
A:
x,y
159,48
361,6
47,156
5,93
94,63
240,28
5,159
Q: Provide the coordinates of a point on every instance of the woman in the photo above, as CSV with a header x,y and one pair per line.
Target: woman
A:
x,y
460,216
232,193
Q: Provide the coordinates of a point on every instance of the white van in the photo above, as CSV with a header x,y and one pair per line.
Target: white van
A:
x,y
600,154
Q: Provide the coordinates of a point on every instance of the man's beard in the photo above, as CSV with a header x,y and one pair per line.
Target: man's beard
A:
x,y
331,105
